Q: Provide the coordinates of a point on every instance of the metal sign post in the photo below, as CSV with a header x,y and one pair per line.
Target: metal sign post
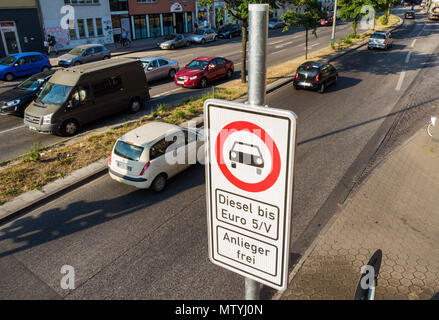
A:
x,y
257,69
334,21
250,152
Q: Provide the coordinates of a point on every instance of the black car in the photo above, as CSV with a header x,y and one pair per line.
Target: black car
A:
x,y
229,31
15,100
409,14
317,75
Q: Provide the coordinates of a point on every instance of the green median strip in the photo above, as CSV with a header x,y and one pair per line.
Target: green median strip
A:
x,y
41,166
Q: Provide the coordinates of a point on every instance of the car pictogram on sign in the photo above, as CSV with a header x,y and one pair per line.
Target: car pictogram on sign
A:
x,y
247,154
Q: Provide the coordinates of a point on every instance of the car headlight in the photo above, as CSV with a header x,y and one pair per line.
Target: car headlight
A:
x,y
12,103
193,78
233,154
47,119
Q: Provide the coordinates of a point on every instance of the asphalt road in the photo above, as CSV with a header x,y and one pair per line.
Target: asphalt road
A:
x,y
17,140
126,243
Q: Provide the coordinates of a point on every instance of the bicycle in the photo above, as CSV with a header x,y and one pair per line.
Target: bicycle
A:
x,y
123,43
431,125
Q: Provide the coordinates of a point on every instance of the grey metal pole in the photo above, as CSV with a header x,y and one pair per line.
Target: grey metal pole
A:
x,y
257,72
257,52
334,21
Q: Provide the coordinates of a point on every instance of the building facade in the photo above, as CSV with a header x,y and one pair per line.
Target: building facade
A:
x,y
154,18
20,27
76,22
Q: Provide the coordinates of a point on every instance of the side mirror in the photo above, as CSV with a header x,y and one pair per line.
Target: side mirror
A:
x,y
69,104
149,68
15,64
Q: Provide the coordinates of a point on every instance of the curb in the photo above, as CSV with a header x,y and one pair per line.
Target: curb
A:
x,y
35,198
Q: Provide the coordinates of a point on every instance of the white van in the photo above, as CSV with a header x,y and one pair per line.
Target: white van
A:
x,y
148,156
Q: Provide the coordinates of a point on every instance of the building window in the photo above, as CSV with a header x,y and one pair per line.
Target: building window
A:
x,y
189,22
81,1
168,27
90,28
154,25
146,1
118,5
81,28
140,27
99,26
72,33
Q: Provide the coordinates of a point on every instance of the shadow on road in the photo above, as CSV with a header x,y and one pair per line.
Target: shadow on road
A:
x,y
53,224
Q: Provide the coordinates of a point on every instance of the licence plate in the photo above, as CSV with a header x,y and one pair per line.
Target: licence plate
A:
x,y
32,128
123,166
305,84
180,81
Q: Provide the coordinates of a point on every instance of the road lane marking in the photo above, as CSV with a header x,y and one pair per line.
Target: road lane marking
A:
x,y
280,51
283,44
14,128
270,44
400,80
413,43
407,58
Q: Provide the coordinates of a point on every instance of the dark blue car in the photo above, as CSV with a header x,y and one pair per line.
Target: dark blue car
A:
x,y
23,64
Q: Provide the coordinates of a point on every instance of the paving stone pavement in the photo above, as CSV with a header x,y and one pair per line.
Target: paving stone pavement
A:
x,y
396,210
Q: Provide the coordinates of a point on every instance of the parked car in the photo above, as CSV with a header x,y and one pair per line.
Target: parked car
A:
x,y
317,75
84,54
276,24
158,68
174,41
229,31
380,40
328,21
203,35
433,11
423,3
140,158
78,95
202,70
410,14
15,100
23,64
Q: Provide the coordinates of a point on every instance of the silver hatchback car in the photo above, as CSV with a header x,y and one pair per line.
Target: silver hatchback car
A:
x,y
158,68
83,54
380,40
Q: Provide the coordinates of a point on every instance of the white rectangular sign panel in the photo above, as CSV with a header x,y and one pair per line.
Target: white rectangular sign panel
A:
x,y
249,179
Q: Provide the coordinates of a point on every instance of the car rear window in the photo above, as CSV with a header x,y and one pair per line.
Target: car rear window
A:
x,y
309,70
378,36
128,151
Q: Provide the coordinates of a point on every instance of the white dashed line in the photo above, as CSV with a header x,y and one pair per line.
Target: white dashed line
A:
x,y
413,43
407,58
12,129
400,80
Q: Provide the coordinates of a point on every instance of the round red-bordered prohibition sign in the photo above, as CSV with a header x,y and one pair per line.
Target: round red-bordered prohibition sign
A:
x,y
266,138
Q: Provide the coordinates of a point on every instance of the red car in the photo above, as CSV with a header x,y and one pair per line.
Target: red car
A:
x,y
202,70
326,22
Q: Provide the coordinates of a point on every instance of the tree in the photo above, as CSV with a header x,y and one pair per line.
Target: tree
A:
x,y
238,9
308,19
385,5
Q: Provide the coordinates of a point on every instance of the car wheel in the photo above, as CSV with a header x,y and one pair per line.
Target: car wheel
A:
x,y
203,83
322,88
188,43
172,47
159,183
230,36
336,79
69,128
135,105
229,74
77,63
171,73
203,41
296,87
214,38
45,69
9,77
106,57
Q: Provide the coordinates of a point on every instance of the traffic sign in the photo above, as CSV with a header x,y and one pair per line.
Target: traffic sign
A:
x,y
249,178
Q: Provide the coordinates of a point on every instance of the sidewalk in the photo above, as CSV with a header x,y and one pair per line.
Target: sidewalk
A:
x,y
396,210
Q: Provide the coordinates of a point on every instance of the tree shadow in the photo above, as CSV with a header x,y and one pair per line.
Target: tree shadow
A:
x,y
53,224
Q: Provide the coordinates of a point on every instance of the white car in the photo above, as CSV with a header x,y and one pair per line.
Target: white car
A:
x,y
203,35
148,156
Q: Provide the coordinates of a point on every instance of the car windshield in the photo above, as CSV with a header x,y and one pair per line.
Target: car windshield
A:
x,y
31,84
76,51
7,61
225,28
309,70
145,63
201,31
128,151
378,36
54,94
246,148
170,37
197,65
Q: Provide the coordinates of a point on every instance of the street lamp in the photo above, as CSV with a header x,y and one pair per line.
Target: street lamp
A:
x,y
334,21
